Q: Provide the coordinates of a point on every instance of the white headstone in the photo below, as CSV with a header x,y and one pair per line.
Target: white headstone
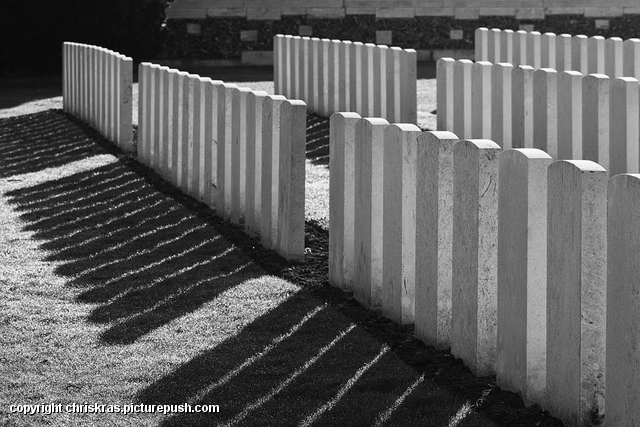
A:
x,y
595,118
614,56
522,107
522,273
481,100
545,111
341,198
291,200
501,104
596,55
580,54
548,51
570,115
623,312
623,126
576,290
631,65
368,192
398,287
434,237
462,98
564,46
474,254
444,93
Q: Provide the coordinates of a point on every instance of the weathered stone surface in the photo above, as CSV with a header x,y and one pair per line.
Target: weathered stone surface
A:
x,y
501,104
341,199
522,107
545,111
522,273
369,196
595,118
570,115
434,237
399,218
481,100
580,54
576,290
614,57
291,177
445,90
623,312
563,52
462,112
474,254
624,129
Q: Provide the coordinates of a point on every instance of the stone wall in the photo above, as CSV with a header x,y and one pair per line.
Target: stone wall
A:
x,y
460,9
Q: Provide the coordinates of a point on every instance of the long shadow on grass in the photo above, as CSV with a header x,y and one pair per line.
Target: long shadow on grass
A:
x,y
126,239
300,364
34,142
145,258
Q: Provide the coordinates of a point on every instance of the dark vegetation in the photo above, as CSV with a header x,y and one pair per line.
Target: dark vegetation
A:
x,y
220,38
32,31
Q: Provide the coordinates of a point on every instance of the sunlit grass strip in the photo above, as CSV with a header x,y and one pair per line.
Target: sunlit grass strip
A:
x,y
124,229
140,252
384,416
117,218
468,408
180,292
49,205
77,187
330,404
131,202
95,206
262,400
254,358
163,261
462,413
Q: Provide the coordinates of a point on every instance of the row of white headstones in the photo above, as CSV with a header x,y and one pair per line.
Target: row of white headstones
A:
x,y
97,89
524,266
562,52
567,114
241,152
340,75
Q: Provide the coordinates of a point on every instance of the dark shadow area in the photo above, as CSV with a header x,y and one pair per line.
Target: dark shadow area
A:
x,y
34,142
148,254
245,73
259,377
426,70
318,139
140,254
18,91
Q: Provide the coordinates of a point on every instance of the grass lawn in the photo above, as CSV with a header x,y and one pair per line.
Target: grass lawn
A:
x,y
117,289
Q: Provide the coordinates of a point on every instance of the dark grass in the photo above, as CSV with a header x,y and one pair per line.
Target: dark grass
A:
x,y
87,222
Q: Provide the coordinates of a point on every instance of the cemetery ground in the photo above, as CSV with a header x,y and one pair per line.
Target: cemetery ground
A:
x,y
119,289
